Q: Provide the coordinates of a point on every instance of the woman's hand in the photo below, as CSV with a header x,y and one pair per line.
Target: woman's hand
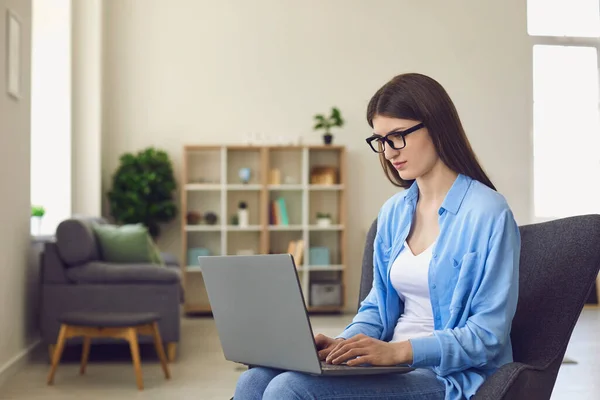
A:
x,y
362,349
325,344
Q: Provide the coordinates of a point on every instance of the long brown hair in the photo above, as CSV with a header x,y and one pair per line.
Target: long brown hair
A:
x,y
421,98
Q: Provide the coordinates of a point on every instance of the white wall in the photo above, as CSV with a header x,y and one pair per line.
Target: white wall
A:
x,y
17,275
197,72
86,40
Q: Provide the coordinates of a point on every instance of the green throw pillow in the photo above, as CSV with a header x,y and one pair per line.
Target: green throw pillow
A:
x,y
126,244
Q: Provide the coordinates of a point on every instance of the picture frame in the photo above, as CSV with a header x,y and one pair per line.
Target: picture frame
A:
x,y
13,54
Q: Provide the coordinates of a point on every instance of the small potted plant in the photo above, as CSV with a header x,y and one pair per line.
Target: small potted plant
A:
x,y
323,219
37,212
326,123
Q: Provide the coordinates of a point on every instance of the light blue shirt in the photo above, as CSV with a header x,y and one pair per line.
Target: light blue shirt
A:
x,y
473,284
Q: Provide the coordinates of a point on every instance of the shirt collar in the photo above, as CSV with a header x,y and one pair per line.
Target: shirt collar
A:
x,y
454,197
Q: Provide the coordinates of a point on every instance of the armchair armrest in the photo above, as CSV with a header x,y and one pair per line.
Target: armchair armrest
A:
x,y
98,272
517,381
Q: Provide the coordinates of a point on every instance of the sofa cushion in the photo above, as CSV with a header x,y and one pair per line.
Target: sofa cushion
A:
x,y
99,272
126,244
76,242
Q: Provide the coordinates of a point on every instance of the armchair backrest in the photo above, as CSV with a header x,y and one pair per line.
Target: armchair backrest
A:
x,y
559,263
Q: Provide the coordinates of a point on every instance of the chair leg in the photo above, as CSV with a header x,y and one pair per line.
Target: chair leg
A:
x,y
60,345
85,354
172,351
51,348
160,350
135,355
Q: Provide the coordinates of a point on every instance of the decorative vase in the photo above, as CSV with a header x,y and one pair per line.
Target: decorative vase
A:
x,y
245,174
243,215
210,218
327,138
193,218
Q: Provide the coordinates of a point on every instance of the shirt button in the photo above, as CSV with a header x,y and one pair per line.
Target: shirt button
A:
x,y
434,255
433,286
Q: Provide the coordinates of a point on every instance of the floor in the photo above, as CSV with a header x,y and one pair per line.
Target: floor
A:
x,y
201,372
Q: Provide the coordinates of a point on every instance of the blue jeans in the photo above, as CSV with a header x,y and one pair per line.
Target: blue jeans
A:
x,y
267,383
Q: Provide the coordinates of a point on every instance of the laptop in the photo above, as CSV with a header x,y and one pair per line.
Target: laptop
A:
x,y
261,317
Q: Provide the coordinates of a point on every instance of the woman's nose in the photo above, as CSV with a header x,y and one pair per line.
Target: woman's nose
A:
x,y
389,152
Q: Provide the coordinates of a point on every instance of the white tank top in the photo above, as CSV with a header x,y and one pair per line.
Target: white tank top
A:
x,y
409,276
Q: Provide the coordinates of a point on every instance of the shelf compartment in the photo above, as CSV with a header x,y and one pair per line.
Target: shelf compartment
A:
x,y
293,206
210,241
201,166
279,242
202,202
327,202
243,242
285,166
252,200
324,239
238,158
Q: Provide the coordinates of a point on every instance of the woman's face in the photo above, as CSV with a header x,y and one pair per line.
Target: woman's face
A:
x,y
418,157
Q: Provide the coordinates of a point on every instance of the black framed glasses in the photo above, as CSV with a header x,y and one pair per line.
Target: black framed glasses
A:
x,y
394,139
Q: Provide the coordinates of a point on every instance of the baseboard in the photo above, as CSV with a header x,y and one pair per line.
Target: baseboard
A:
x,y
16,363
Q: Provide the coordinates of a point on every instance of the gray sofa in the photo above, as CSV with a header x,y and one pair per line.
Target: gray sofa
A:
x,y
75,278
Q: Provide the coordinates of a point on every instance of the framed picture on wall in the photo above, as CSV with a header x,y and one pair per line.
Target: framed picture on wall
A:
x,y
13,59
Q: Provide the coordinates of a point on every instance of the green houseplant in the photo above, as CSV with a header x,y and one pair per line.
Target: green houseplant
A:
x,y
326,123
37,212
143,189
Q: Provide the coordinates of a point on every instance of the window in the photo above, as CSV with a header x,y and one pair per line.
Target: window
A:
x,y
51,111
566,120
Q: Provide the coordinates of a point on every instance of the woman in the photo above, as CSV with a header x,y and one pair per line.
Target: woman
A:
x,y
446,260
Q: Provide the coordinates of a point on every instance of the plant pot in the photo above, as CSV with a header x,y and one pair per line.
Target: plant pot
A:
x,y
323,222
36,226
327,138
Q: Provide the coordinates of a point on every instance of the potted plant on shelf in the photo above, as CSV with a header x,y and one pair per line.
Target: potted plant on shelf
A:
x,y
323,219
143,190
326,123
37,212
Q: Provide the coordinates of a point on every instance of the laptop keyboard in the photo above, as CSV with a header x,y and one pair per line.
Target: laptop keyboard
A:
x,y
324,365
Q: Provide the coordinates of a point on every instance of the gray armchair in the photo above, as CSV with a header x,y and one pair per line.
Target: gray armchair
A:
x,y
559,263
75,278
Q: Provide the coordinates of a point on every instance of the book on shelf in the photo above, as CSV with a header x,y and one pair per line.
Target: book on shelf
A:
x,y
278,214
296,249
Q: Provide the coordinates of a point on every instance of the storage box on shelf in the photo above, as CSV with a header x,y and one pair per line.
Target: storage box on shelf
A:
x,y
267,199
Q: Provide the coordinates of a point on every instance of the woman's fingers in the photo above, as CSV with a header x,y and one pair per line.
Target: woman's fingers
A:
x,y
324,353
344,348
352,353
366,359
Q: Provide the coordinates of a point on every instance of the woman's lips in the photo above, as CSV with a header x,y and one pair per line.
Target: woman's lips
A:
x,y
399,164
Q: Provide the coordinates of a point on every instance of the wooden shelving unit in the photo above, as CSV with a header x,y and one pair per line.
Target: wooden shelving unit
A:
x,y
211,183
